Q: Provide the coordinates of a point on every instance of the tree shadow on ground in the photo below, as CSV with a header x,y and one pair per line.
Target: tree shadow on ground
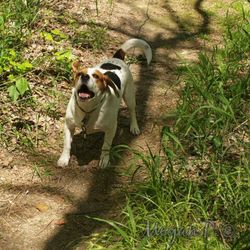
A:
x,y
77,224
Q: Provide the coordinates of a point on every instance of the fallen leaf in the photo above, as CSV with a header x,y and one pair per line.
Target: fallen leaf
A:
x,y
42,207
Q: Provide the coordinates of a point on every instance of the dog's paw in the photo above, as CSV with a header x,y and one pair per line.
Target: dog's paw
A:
x,y
63,161
135,130
104,161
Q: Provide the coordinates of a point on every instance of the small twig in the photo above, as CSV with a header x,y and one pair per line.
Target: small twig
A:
x,y
147,18
45,227
144,22
12,201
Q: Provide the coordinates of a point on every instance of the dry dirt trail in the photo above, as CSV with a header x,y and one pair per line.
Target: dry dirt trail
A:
x,y
50,212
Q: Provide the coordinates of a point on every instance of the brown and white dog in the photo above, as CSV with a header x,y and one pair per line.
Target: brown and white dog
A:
x,y
97,95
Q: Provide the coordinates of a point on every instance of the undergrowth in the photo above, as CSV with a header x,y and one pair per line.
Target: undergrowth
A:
x,y
197,191
36,52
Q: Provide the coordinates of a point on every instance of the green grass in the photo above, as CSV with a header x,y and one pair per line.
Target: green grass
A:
x,y
196,195
16,19
35,59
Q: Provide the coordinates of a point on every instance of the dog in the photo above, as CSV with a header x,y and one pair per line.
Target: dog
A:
x,y
96,97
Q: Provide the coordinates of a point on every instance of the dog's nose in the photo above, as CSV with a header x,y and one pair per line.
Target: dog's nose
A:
x,y
84,77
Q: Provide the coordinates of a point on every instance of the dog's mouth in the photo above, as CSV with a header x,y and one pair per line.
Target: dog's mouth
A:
x,y
84,93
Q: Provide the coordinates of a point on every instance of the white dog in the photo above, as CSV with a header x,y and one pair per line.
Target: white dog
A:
x,y
96,97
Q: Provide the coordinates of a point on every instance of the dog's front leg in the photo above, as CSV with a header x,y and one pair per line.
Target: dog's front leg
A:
x,y
108,139
69,129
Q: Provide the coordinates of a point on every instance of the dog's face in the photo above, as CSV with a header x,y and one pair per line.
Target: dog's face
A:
x,y
90,82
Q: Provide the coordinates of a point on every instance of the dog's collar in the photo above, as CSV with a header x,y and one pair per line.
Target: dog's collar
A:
x,y
84,111
87,114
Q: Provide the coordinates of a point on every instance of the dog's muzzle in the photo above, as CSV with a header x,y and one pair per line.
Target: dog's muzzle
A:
x,y
84,93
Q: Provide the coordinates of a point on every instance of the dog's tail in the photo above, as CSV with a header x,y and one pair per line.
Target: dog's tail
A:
x,y
132,43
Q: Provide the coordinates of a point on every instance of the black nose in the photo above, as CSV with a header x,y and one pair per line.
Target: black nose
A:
x,y
84,77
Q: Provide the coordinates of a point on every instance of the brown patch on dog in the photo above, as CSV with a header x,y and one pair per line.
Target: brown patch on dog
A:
x,y
76,66
78,70
112,85
103,81
100,80
120,54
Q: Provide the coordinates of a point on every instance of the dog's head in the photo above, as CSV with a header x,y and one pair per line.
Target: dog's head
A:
x,y
90,82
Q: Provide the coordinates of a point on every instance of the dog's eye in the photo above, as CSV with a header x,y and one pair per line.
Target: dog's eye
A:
x,y
95,76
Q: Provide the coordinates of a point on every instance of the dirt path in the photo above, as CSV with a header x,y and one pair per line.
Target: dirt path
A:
x,y
48,211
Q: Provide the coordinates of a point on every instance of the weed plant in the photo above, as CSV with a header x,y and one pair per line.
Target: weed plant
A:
x,y
31,53
16,19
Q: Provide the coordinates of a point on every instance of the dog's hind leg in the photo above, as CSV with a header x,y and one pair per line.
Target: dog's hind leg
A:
x,y
129,99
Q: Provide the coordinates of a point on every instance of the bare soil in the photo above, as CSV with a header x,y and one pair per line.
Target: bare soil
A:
x,y
45,207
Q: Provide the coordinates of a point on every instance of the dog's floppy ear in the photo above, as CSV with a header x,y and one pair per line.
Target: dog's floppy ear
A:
x,y
76,66
110,83
104,81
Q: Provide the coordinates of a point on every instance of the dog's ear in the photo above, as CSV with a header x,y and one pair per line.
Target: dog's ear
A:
x,y
110,83
76,66
103,81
